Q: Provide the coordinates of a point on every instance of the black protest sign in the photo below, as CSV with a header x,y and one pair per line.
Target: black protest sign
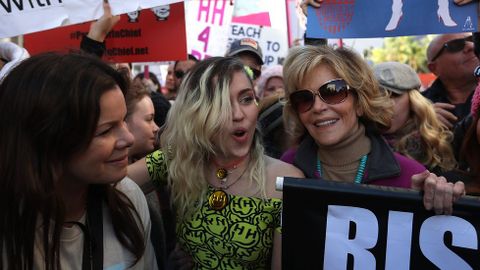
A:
x,y
332,225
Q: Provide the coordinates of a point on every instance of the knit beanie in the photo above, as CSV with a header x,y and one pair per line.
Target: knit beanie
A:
x,y
267,73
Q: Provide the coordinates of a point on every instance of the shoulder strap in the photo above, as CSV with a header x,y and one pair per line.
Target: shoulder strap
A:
x,y
93,257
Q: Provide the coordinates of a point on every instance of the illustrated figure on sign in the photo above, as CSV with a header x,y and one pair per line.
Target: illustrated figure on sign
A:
x,y
161,12
443,14
133,16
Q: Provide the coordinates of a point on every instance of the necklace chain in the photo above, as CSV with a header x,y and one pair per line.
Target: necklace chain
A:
x,y
360,170
225,187
224,170
218,199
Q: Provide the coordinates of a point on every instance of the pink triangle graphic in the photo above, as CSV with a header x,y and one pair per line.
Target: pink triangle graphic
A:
x,y
262,18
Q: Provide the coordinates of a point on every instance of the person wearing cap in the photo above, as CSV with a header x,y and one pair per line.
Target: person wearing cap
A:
x,y
415,130
250,53
451,58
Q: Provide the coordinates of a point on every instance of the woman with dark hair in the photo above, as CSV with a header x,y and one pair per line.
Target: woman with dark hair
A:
x,y
70,205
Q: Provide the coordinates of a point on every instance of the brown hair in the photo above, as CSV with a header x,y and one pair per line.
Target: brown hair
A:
x,y
49,109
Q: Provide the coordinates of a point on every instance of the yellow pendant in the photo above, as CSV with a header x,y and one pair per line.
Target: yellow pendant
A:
x,y
218,200
222,173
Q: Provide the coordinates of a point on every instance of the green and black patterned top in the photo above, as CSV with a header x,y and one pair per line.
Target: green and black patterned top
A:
x,y
240,236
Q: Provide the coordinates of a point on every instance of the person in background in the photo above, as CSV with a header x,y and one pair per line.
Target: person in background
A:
x,y
415,130
140,121
151,82
271,94
469,146
250,53
169,82
271,82
335,114
451,58
270,123
160,103
180,68
214,163
70,206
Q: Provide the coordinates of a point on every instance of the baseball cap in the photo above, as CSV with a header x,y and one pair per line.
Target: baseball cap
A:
x,y
246,45
396,77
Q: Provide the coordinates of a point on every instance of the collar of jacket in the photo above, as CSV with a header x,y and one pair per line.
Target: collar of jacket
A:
x,y
381,162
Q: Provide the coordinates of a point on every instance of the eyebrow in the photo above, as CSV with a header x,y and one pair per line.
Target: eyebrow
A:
x,y
246,90
111,121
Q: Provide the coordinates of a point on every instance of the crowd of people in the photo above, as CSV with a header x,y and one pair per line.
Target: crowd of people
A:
x,y
89,141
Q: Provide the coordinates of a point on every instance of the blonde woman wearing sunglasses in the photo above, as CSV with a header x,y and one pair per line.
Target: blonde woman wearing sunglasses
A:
x,y
335,112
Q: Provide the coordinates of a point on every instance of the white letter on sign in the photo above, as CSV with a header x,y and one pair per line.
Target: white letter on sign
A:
x,y
337,242
399,240
431,240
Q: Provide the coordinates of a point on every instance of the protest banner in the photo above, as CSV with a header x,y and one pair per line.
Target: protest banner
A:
x,y
266,25
207,30
156,34
387,18
334,225
212,26
21,16
297,22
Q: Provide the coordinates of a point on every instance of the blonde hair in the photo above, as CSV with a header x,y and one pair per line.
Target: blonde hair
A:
x,y
435,138
374,104
200,114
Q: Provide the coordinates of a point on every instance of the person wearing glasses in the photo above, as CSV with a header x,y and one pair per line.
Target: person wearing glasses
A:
x,y
335,114
451,58
180,68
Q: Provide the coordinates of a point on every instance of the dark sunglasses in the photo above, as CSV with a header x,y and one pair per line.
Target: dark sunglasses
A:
x,y
332,92
453,46
179,74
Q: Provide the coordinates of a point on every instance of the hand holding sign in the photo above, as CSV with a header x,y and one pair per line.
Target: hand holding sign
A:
x,y
313,3
438,193
99,29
